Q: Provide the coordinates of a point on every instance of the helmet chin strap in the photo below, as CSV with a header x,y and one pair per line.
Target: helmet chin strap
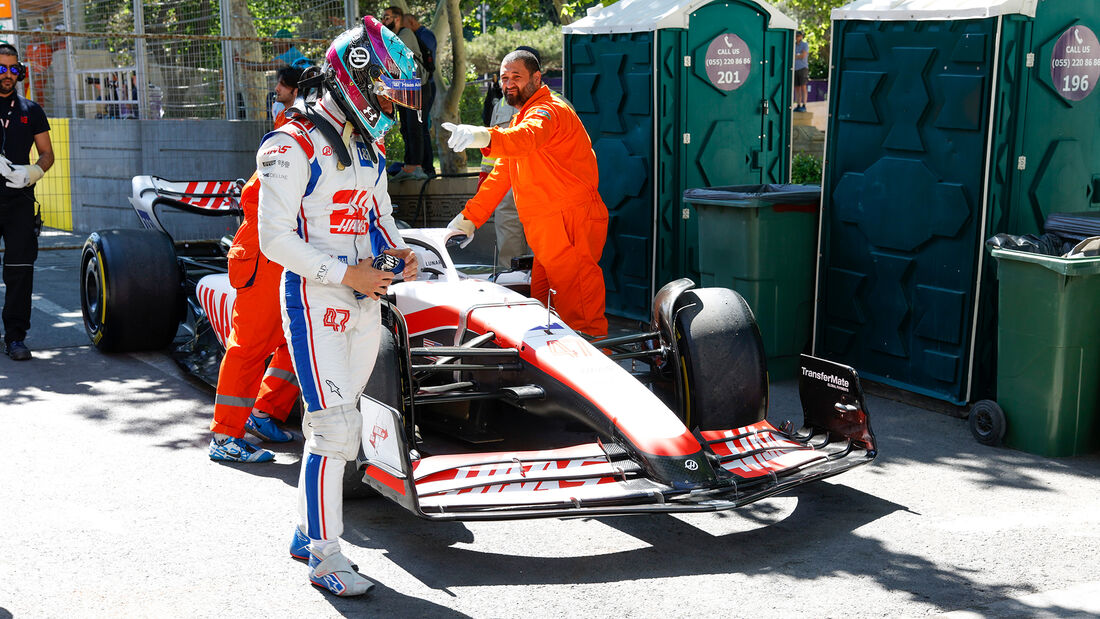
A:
x,y
324,124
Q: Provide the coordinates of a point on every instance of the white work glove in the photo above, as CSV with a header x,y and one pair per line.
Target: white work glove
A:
x,y
466,136
19,176
465,226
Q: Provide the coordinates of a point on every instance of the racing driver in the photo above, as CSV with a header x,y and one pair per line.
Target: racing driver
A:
x,y
324,215
545,157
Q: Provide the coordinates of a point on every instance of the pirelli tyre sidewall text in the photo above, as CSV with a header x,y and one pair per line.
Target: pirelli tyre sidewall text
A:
x,y
130,290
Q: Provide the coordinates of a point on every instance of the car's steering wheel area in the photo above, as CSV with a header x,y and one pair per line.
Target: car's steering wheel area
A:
x,y
431,262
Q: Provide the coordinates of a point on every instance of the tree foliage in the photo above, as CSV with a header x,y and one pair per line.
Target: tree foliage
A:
x,y
484,52
523,14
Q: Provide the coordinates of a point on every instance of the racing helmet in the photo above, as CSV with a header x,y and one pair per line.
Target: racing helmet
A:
x,y
365,65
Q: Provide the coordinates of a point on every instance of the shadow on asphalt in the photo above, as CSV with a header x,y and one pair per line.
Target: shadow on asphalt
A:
x,y
365,606
826,517
908,435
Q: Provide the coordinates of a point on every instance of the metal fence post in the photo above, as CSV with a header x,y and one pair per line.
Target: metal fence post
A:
x,y
140,60
67,12
227,61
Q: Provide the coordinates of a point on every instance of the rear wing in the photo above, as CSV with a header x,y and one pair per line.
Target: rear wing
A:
x,y
217,198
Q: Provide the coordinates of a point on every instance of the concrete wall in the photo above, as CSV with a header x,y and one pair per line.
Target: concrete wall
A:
x,y
106,154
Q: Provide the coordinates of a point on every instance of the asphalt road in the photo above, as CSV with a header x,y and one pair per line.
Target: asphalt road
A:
x,y
112,508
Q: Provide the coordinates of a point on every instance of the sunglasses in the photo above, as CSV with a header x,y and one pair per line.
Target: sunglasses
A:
x,y
15,69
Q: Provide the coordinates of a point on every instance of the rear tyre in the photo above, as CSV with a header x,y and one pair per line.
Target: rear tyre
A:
x,y
987,422
723,368
130,290
385,386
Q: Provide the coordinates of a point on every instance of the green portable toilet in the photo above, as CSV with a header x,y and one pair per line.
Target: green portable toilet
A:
x,y
676,95
950,121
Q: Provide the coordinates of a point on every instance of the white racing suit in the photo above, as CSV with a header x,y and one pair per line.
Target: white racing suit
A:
x,y
314,219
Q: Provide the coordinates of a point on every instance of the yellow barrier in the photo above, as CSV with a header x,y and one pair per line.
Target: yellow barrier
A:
x,y
54,191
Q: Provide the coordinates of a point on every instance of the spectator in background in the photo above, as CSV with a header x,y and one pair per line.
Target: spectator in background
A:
x,y
286,91
801,71
23,123
412,129
428,45
286,54
39,57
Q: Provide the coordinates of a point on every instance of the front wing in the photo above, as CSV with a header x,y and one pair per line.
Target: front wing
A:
x,y
601,478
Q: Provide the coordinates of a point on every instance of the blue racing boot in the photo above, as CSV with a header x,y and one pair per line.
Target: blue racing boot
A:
x,y
264,428
299,545
238,450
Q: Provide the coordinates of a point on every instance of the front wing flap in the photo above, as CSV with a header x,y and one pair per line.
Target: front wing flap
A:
x,y
597,478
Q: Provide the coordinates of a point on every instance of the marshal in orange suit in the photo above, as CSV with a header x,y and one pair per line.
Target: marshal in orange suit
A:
x,y
545,156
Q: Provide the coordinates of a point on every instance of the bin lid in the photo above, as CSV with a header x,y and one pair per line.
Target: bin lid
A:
x,y
650,15
754,195
1073,267
944,10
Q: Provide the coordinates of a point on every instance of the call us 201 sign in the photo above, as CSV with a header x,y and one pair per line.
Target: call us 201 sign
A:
x,y
1075,63
728,61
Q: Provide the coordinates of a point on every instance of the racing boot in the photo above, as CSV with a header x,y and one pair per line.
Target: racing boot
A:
x,y
231,449
264,428
336,574
299,547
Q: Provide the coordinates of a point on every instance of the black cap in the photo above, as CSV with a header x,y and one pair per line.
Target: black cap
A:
x,y
534,52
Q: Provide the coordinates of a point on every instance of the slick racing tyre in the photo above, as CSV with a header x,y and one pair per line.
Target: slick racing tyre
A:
x,y
723,368
384,385
130,290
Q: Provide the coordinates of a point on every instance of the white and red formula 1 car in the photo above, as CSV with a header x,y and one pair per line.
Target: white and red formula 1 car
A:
x,y
535,419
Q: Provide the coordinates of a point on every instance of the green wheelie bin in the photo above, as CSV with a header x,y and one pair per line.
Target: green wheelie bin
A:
x,y
761,240
1048,353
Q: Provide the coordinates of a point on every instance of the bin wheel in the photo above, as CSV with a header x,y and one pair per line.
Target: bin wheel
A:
x,y
987,422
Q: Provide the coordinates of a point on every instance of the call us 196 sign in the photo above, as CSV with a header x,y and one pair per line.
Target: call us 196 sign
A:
x,y
1075,63
728,61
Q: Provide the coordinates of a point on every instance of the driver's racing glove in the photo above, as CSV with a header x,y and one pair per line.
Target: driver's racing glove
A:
x,y
465,226
466,136
19,176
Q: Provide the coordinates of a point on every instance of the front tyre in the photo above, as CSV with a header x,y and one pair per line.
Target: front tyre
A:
x,y
129,290
723,367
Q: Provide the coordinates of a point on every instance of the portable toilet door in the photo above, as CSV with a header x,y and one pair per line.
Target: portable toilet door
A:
x,y
948,123
1055,166
676,95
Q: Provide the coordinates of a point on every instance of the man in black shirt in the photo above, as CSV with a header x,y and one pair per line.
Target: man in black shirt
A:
x,y
23,123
